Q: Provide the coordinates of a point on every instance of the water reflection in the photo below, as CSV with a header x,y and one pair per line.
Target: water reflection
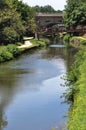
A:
x,y
30,90
8,84
55,53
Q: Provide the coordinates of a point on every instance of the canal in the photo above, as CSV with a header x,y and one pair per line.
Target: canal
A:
x,y
31,90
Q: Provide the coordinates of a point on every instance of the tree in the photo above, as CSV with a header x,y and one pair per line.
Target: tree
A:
x,y
11,27
75,13
44,9
27,14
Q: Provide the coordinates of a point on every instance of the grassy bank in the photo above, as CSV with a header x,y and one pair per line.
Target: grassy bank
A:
x,y
9,52
12,51
41,42
76,93
74,41
78,41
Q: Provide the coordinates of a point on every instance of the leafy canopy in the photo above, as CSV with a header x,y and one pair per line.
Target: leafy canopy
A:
x,y
75,13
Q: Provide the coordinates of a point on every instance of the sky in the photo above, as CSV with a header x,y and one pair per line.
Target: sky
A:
x,y
56,4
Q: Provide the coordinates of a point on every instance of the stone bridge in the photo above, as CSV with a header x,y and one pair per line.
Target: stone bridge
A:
x,y
48,20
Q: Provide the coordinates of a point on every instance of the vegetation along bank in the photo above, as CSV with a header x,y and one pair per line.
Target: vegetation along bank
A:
x,y
12,51
75,22
76,92
17,20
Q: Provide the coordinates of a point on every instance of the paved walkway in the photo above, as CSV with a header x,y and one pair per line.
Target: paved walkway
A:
x,y
27,45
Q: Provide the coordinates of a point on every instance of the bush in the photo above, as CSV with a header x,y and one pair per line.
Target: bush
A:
x,y
8,52
18,43
77,92
83,42
1,59
78,41
41,42
67,37
5,55
13,49
9,35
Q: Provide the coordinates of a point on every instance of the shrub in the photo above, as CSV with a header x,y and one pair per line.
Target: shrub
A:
x,y
41,42
67,37
18,43
9,35
13,49
1,59
73,76
8,52
77,92
5,55
83,42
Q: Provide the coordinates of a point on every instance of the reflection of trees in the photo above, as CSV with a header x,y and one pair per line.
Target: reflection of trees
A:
x,y
65,53
3,121
70,57
3,104
8,84
55,52
9,77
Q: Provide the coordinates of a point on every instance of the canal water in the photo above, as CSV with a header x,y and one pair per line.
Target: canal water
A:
x,y
31,90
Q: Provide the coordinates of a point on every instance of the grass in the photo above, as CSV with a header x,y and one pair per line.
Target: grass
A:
x,y
8,52
11,51
41,42
77,41
77,115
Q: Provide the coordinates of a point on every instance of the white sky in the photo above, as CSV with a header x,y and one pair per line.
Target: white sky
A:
x,y
56,4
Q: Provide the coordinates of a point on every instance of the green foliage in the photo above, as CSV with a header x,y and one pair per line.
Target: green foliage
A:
x,y
77,92
26,11
18,43
5,55
11,26
1,59
46,9
8,52
41,42
78,113
83,41
73,76
5,4
9,35
27,15
67,37
13,49
79,41
75,14
16,20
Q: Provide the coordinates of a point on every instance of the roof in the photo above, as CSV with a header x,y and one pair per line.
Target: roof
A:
x,y
50,15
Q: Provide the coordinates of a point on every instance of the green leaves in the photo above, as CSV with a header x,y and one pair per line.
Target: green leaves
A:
x,y
11,26
77,92
75,13
8,52
16,20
